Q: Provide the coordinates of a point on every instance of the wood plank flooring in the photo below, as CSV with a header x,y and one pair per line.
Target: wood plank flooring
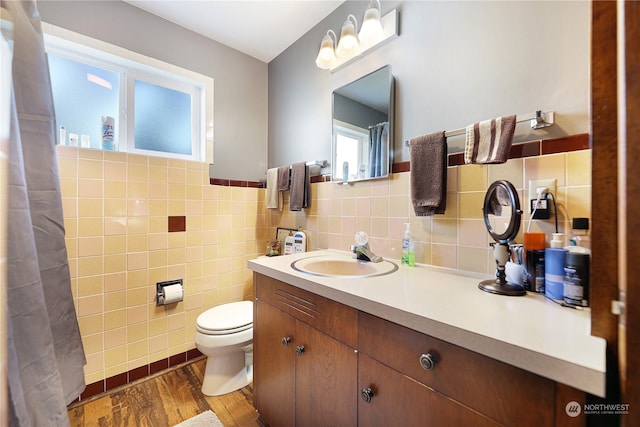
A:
x,y
164,400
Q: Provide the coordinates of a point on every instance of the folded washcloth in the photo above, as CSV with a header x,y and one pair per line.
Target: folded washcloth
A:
x,y
299,197
428,174
283,178
489,141
274,196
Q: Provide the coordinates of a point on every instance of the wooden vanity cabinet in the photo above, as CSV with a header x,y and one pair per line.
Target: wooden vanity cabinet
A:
x,y
417,379
273,365
396,377
305,364
391,398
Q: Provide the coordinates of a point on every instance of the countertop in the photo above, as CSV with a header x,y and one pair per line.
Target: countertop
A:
x,y
529,332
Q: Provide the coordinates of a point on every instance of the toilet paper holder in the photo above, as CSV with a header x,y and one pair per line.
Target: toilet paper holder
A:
x,y
171,287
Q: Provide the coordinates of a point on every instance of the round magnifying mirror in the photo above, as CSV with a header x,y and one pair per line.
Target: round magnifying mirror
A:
x,y
502,211
502,218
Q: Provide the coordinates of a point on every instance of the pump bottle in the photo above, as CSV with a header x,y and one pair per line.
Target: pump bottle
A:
x,y
408,254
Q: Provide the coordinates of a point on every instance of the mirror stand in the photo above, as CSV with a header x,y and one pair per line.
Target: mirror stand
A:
x,y
502,196
500,285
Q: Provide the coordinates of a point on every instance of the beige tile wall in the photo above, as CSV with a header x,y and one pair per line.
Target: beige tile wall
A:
x,y
116,207
457,239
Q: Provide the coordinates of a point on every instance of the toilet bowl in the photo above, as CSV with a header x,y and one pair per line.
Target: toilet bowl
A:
x,y
225,335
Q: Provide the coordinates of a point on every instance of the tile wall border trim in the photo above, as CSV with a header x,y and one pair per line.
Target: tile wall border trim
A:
x,y
108,384
534,148
540,147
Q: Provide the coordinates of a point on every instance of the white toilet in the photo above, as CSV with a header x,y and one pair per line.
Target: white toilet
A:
x,y
225,335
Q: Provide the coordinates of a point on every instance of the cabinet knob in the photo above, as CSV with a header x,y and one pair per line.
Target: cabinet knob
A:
x,y
428,361
366,394
286,341
299,350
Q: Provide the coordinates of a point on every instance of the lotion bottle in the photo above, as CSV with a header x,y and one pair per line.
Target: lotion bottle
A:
x,y
408,254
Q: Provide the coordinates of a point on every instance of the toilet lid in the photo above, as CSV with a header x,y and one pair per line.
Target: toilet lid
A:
x,y
226,319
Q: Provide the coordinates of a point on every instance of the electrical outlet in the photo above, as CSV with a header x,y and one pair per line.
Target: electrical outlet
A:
x,y
535,184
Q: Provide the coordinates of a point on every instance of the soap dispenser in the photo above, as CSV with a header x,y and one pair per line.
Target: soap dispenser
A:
x,y
408,254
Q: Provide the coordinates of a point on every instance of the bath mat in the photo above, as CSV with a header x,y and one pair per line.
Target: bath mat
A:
x,y
205,419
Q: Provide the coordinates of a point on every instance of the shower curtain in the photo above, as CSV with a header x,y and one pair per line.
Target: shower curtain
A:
x,y
378,150
45,357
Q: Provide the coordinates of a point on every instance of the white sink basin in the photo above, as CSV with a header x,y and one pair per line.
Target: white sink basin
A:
x,y
342,266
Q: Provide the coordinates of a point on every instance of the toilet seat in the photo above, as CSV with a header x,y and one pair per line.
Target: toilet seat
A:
x,y
226,319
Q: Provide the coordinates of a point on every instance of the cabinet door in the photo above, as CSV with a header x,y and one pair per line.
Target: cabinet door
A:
x,y
389,398
326,372
274,365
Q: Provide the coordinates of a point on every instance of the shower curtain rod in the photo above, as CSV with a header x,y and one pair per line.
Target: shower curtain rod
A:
x,y
539,119
379,124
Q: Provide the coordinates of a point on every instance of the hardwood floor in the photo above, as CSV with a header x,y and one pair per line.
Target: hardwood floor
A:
x,y
164,400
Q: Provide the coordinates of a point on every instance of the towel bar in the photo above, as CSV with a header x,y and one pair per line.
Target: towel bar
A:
x,y
320,163
539,120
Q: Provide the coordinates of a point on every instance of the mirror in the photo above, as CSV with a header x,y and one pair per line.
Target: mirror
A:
x,y
362,123
502,218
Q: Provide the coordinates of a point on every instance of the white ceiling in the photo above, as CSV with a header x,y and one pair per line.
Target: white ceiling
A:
x,y
261,29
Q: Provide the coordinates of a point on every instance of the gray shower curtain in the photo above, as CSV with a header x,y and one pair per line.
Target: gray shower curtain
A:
x,y
378,150
45,357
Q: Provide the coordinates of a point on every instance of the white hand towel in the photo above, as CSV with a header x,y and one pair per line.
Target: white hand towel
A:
x,y
274,196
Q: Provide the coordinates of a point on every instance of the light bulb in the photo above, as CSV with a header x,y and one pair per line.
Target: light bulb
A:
x,y
371,30
348,46
326,56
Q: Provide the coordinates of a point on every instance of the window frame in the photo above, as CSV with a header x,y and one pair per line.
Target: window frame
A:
x,y
131,67
354,132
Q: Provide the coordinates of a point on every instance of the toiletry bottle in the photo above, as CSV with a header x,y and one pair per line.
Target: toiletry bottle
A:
x,y
580,233
534,251
63,136
408,255
557,241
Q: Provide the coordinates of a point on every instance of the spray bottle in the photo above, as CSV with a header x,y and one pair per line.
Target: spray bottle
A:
x,y
408,254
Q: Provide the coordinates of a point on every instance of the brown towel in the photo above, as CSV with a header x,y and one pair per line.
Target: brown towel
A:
x,y
429,174
283,178
489,141
299,197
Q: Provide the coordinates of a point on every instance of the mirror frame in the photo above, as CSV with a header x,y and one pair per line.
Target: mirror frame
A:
x,y
390,117
514,223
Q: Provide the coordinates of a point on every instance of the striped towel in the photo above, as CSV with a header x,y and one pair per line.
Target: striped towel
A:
x,y
489,141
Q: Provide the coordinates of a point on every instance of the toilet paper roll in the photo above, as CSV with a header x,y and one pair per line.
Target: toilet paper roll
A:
x,y
171,294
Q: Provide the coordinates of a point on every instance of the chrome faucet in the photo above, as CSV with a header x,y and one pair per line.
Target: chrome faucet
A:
x,y
363,253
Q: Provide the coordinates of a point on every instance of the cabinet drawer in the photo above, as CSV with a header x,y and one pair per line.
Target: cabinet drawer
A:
x,y
503,392
389,398
330,317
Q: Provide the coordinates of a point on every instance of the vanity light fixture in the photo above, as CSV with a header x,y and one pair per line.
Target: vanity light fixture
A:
x,y
327,56
371,30
349,45
373,33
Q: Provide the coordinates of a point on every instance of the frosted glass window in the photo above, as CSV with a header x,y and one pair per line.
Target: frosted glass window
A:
x,y
153,110
82,94
162,119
